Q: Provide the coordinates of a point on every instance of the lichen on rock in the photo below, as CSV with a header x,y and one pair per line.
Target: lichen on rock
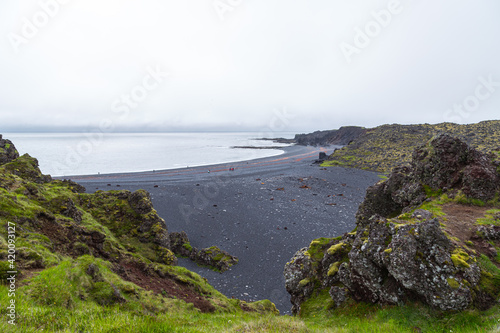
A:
x,y
391,257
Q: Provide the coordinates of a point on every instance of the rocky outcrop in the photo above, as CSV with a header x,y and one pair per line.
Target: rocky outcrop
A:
x,y
450,163
340,137
26,167
213,256
392,258
445,164
8,152
388,264
384,147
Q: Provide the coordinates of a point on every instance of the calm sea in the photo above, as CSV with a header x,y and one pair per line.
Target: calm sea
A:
x,y
64,154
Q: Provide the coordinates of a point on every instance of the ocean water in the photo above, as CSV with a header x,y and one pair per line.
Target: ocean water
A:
x,y
65,154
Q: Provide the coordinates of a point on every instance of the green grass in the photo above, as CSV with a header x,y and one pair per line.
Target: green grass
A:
x,y
66,298
319,316
315,317
490,218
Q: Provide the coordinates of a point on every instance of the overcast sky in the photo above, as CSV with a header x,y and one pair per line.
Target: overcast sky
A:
x,y
247,64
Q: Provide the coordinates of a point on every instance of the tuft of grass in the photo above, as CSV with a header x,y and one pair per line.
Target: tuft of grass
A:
x,y
492,217
320,316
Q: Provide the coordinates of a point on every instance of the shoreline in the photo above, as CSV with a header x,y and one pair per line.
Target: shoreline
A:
x,y
262,212
289,152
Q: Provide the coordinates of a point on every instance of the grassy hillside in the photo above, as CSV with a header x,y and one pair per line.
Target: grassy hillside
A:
x,y
101,263
384,147
98,262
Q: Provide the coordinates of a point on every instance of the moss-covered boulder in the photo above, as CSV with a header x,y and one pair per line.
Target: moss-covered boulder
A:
x,y
8,151
400,250
214,257
179,243
25,167
444,165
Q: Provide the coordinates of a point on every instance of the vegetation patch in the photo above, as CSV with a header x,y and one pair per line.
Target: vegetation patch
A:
x,y
460,258
317,248
382,148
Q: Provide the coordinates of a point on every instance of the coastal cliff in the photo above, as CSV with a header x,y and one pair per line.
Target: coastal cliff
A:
x,y
340,137
385,147
426,234
87,252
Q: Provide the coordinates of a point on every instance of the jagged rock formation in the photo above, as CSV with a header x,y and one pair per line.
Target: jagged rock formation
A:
x,y
212,256
445,164
8,152
392,258
340,137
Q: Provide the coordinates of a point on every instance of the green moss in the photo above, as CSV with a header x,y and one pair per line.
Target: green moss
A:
x,y
166,256
430,192
103,293
388,251
4,268
334,268
317,248
490,276
434,206
81,248
460,258
304,283
453,283
336,248
317,305
264,307
187,246
405,216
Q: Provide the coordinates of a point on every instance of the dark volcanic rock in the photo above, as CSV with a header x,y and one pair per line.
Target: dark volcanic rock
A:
x,y
298,273
389,260
8,151
140,201
26,167
444,164
179,244
389,264
448,162
212,256
490,232
341,137
65,206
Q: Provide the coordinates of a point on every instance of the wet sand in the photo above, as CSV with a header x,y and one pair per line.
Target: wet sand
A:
x,y
262,212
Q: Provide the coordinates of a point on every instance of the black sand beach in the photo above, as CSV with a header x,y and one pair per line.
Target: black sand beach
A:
x,y
262,212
